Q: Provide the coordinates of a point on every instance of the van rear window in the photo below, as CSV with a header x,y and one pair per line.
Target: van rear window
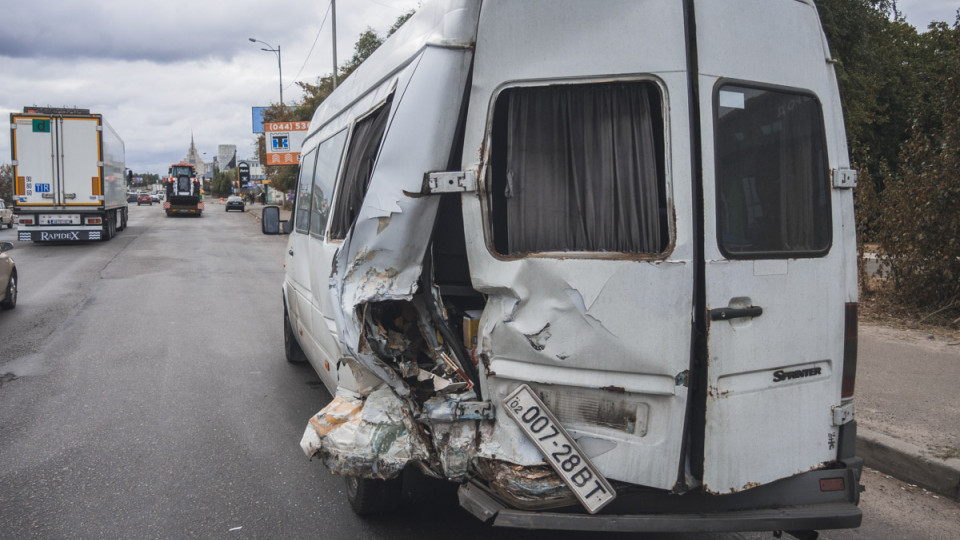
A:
x,y
773,192
578,167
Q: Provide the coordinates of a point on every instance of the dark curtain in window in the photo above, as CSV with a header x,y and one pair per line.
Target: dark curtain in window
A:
x,y
580,169
358,168
803,179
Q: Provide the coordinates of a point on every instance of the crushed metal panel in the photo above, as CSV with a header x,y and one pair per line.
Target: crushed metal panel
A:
x,y
372,437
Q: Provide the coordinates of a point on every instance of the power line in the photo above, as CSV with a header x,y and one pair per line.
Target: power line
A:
x,y
324,21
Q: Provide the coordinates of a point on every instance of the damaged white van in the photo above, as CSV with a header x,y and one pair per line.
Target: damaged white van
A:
x,y
594,261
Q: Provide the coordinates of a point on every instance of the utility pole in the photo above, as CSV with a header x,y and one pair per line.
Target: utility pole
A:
x,y
333,8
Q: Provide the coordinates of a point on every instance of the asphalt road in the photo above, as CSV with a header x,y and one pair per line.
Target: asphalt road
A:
x,y
144,394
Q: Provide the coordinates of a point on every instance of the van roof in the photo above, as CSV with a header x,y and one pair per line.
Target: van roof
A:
x,y
444,23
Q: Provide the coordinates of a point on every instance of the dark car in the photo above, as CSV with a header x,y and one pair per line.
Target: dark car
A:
x,y
144,198
235,203
8,278
131,196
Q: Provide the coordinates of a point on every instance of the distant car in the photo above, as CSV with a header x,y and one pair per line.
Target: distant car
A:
x,y
8,276
131,196
155,197
144,198
6,215
236,203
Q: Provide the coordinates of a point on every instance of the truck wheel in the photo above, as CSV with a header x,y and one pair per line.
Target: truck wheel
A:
x,y
109,229
291,349
10,301
370,497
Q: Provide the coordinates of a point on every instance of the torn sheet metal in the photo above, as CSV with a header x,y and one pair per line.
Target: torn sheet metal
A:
x,y
532,487
382,255
372,437
613,332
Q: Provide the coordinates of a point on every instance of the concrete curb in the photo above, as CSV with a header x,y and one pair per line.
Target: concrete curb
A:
x,y
908,463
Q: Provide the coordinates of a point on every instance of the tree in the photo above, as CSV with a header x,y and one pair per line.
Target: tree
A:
x,y
918,225
6,182
284,178
223,183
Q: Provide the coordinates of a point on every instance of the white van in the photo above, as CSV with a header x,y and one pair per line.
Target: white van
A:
x,y
594,261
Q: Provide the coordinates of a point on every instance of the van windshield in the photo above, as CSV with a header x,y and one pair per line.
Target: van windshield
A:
x,y
579,167
773,193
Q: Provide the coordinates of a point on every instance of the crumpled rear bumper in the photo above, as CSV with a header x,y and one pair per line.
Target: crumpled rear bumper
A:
x,y
764,508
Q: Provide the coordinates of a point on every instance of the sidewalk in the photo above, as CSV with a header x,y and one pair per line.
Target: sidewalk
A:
x,y
908,414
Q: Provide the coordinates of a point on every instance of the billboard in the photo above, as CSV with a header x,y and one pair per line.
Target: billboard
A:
x,y
283,141
258,119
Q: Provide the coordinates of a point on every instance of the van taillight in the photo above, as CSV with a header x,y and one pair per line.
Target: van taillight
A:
x,y
94,221
26,220
849,350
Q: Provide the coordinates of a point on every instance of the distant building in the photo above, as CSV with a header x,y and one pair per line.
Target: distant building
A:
x,y
193,158
226,157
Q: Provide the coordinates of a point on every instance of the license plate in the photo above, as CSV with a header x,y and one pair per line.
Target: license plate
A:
x,y
65,219
559,449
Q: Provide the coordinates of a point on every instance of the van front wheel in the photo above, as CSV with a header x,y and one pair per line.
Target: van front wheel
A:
x,y
369,497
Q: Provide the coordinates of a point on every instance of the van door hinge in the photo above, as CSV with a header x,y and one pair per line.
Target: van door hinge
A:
x,y
450,182
844,178
842,414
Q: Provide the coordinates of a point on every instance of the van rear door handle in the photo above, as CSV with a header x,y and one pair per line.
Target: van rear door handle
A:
x,y
290,251
727,313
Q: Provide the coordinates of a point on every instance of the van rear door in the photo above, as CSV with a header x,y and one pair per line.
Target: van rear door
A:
x,y
81,161
586,263
776,264
33,150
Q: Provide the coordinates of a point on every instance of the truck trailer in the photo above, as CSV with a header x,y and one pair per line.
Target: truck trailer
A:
x,y
69,175
182,189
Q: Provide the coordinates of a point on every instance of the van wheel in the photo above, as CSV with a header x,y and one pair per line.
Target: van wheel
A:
x,y
369,497
10,301
291,349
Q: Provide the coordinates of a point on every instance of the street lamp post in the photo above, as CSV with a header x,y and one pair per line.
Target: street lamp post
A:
x,y
279,66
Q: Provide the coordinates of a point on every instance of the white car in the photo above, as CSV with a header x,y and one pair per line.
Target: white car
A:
x,y
6,215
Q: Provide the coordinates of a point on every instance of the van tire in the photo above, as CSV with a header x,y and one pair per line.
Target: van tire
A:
x,y
369,497
291,348
10,301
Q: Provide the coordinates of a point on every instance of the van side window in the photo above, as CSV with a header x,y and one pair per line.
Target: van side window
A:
x,y
773,188
579,167
328,164
304,186
358,168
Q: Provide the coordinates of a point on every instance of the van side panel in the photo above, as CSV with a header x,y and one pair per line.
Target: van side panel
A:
x,y
608,331
773,378
382,255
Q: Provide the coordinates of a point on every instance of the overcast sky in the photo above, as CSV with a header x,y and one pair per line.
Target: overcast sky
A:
x,y
159,70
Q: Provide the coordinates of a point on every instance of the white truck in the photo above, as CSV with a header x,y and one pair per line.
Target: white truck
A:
x,y
68,175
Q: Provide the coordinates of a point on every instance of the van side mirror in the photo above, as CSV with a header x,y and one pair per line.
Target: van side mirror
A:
x,y
271,223
5,246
